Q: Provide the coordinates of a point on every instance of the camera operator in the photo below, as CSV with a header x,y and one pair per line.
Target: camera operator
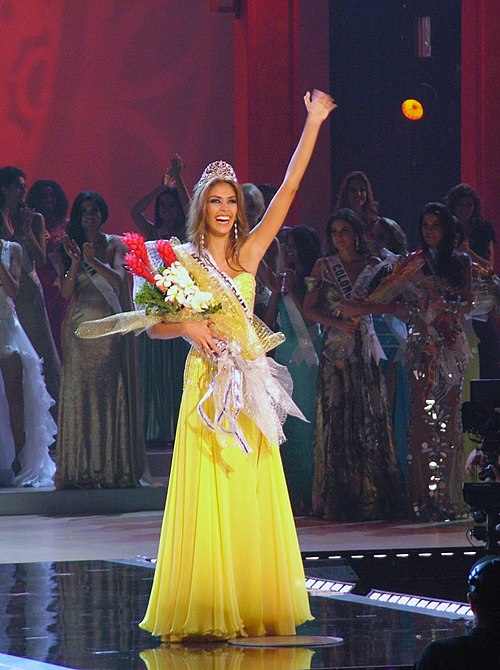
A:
x,y
480,648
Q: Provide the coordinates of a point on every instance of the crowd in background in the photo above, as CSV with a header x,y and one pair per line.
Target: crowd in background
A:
x,y
379,365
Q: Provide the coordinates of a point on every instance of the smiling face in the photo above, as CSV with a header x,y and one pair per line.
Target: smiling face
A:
x,y
432,231
356,194
343,237
221,209
91,218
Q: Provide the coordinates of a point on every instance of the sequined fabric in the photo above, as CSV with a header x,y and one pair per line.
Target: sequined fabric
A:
x,y
100,440
437,355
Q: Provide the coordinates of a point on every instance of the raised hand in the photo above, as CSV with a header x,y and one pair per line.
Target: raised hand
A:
x,y
177,167
88,252
319,104
71,248
272,279
26,214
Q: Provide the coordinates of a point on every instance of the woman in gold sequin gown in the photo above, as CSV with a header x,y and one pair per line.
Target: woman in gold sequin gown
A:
x,y
437,354
229,563
100,441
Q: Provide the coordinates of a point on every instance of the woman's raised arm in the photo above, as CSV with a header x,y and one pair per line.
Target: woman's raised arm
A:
x,y
318,105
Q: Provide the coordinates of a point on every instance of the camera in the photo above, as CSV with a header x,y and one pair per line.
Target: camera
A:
x,y
481,419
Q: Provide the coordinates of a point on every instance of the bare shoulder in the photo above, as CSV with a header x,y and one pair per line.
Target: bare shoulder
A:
x,y
115,241
318,267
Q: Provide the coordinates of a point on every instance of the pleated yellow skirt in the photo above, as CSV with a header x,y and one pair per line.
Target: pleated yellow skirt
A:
x,y
229,563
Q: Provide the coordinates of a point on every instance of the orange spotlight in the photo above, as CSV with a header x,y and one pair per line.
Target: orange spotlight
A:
x,y
412,109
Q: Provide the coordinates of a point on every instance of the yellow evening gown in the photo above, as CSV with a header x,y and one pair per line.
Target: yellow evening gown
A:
x,y
229,563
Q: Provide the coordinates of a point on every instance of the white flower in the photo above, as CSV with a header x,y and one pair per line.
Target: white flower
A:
x,y
180,276
180,289
200,301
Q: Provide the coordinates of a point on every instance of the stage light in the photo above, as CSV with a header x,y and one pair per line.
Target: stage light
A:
x,y
419,101
419,603
325,585
412,109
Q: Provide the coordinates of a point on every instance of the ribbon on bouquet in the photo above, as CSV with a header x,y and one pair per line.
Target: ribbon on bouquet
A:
x,y
259,388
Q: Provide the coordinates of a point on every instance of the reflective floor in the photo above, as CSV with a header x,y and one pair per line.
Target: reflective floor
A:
x,y
84,614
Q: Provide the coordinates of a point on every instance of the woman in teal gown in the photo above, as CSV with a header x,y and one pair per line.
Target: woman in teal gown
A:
x,y
162,361
299,353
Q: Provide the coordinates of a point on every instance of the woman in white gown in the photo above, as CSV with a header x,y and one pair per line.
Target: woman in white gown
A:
x,y
26,425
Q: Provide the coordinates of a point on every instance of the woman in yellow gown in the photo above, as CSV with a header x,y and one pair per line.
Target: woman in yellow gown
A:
x,y
229,563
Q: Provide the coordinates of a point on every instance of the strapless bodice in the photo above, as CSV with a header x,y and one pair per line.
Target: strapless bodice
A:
x,y
245,283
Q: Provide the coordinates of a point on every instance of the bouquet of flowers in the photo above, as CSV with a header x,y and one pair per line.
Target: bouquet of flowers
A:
x,y
169,290
486,291
387,285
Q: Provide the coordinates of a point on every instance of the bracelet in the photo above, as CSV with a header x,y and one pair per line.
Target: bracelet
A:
x,y
67,276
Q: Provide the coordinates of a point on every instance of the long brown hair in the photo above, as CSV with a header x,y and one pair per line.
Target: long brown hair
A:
x,y
196,226
370,209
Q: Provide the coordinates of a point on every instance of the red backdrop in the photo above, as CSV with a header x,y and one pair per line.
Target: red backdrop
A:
x,y
481,104
99,94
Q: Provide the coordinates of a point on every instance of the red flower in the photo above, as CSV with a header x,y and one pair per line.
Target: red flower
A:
x,y
166,252
136,266
414,256
136,244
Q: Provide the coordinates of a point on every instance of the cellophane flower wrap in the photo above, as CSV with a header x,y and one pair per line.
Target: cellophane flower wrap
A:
x,y
170,291
242,378
390,282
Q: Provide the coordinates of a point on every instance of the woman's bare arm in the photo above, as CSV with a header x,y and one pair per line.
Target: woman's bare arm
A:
x,y
319,105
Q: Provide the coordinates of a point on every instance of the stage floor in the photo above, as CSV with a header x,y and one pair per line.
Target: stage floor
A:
x,y
73,589
59,538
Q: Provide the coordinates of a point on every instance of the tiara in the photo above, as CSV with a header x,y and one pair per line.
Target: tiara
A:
x,y
217,170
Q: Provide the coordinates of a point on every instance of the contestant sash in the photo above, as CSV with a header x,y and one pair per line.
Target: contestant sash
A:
x,y
103,286
370,342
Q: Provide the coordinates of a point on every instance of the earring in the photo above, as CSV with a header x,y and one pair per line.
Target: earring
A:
x,y
357,243
202,241
235,230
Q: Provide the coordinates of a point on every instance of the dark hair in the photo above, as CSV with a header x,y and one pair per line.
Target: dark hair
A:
x,y
75,230
268,191
34,197
399,241
464,191
450,265
308,243
370,208
358,227
174,194
484,585
9,174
